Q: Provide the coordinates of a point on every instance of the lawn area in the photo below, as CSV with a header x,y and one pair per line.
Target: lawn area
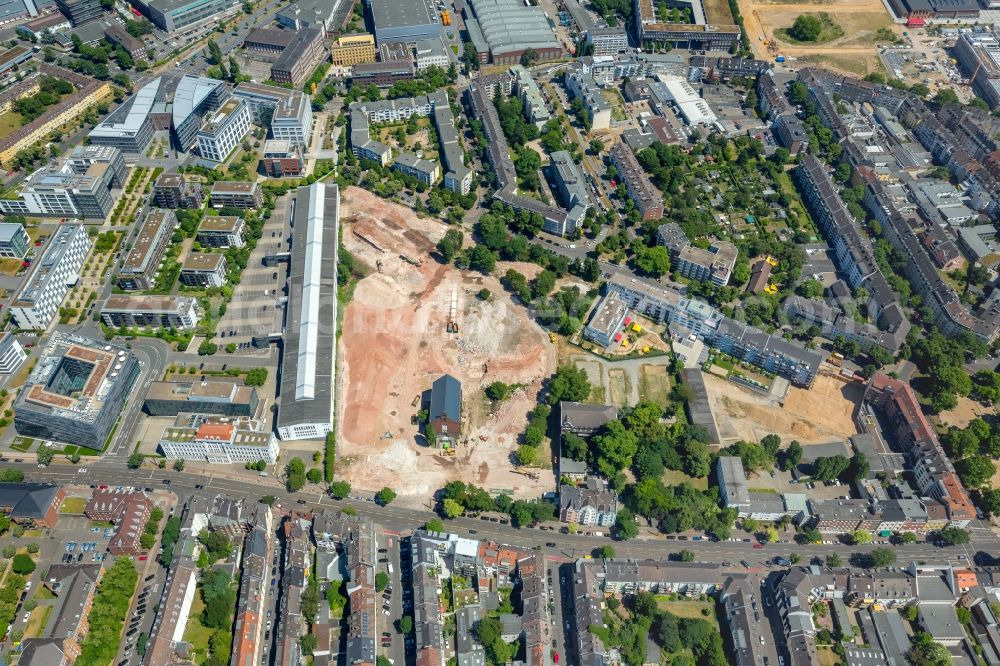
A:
x,y
44,593
36,623
827,657
831,31
689,609
675,478
195,632
654,384
73,505
10,266
9,122
22,444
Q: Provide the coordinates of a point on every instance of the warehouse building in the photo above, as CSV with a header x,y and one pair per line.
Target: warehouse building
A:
x,y
308,356
59,268
288,113
224,130
221,397
76,392
138,271
404,20
506,29
178,312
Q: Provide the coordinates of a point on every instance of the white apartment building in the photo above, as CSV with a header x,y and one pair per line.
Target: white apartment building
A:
x,y
58,270
224,130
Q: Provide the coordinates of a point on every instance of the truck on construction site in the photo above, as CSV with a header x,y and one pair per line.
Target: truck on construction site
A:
x,y
410,260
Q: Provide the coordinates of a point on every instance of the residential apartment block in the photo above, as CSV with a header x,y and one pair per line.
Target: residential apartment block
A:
x,y
237,194
647,199
589,504
128,510
202,269
177,312
714,264
221,231
175,190
138,271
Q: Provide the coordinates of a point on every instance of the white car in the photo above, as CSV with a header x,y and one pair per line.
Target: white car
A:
x,y
27,616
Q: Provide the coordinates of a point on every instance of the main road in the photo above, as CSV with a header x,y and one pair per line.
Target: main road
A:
x,y
569,546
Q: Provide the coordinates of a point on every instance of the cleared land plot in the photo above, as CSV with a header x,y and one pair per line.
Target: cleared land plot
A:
x,y
394,344
812,416
853,52
966,410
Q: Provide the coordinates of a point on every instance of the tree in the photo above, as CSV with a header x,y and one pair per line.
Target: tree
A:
x,y
45,455
596,146
953,536
833,561
385,496
32,548
340,489
256,377
975,471
653,261
945,96
22,564
569,383
685,556
450,244
135,461
614,448
498,391
295,475
451,508
381,581
858,468
828,468
430,435
807,28
406,624
859,537
907,537
881,557
925,652
625,526
314,475
179,465
11,476
792,457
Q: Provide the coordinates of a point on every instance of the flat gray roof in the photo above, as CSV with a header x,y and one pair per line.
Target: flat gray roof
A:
x,y
402,13
310,330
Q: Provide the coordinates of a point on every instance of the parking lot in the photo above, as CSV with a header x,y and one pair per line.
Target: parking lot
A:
x,y
258,301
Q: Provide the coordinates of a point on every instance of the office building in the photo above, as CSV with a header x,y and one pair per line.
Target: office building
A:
x,y
194,98
382,74
708,32
128,509
129,127
237,195
83,157
733,487
430,53
348,50
297,62
43,292
507,29
11,354
138,271
222,231
404,20
201,269
647,199
76,392
224,130
31,504
287,113
320,14
80,12
281,159
267,43
61,191
118,36
607,41
177,312
220,397
36,27
14,241
175,190
214,440
305,408
173,15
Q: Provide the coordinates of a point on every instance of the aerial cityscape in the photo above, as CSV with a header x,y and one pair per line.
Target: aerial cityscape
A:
x,y
489,332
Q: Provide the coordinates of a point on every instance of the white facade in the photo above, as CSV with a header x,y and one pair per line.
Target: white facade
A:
x,y
11,354
219,451
224,131
54,274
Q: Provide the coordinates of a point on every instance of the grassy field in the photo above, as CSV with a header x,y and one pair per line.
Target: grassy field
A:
x,y
73,505
10,266
717,12
831,31
36,623
22,444
195,632
654,384
689,609
674,478
9,122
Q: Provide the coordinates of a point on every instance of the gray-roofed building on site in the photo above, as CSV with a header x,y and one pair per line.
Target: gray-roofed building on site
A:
x,y
308,355
746,626
570,182
404,20
468,651
31,503
584,420
445,412
733,485
509,28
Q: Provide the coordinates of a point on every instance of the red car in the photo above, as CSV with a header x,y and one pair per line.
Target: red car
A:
x,y
758,546
143,558
555,658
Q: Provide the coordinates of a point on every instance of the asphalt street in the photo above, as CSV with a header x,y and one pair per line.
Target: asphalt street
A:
x,y
564,547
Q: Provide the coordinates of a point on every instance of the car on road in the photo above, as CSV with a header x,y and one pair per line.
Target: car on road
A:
x,y
758,546
550,544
